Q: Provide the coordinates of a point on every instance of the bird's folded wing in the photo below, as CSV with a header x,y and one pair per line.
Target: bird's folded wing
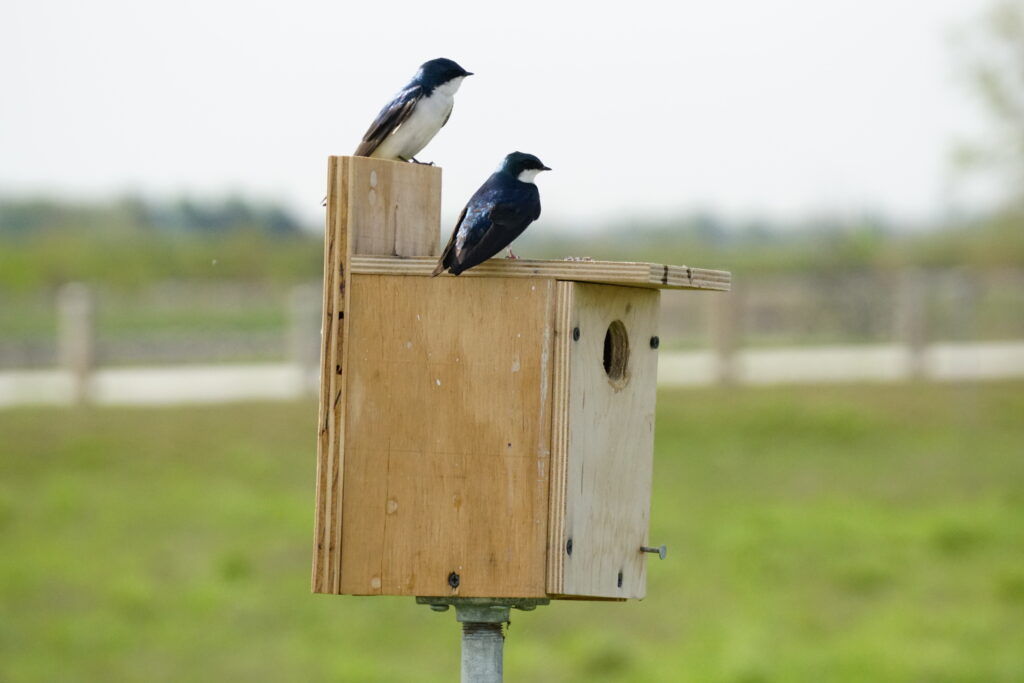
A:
x,y
505,223
448,255
389,119
508,214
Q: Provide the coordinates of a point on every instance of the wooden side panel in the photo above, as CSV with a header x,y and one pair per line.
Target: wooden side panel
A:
x,y
448,436
373,207
603,455
327,520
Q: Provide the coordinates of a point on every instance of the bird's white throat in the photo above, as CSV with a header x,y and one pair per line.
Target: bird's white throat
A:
x,y
451,87
528,175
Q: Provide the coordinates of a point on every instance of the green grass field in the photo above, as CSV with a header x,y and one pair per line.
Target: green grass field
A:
x,y
856,534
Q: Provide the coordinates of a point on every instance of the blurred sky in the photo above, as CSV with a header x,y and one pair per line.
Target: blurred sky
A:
x,y
777,108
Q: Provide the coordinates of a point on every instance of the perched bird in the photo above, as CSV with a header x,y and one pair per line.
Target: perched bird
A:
x,y
411,120
496,214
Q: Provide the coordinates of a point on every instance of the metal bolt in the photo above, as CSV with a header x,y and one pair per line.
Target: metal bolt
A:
x,y
453,580
662,550
575,334
655,342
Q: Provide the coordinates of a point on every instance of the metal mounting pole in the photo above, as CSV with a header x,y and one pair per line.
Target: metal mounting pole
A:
x,y
482,639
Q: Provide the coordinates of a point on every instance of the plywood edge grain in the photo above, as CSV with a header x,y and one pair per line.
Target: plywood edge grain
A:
x,y
559,436
326,329
649,275
326,550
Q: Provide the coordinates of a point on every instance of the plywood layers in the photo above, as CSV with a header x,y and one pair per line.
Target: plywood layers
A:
x,y
327,519
559,434
648,275
448,438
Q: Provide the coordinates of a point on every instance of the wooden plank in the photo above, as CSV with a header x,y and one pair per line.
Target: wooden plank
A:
x,y
398,207
76,336
607,444
373,206
449,432
326,524
559,434
648,275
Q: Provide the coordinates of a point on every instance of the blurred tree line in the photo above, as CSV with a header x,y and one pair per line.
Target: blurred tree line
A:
x,y
127,242
22,218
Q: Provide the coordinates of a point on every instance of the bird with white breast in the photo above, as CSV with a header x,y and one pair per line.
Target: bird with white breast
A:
x,y
497,213
414,116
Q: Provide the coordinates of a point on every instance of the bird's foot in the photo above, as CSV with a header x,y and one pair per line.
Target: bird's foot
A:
x,y
421,163
510,254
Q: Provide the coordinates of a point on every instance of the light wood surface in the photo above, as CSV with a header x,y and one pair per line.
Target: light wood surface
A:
x,y
563,341
603,439
448,439
395,207
649,275
373,207
327,519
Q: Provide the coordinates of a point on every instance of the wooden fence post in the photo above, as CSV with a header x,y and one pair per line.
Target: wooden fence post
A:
x,y
912,320
76,345
726,333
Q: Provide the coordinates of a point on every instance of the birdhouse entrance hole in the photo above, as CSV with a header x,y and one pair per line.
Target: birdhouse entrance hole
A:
x,y
616,353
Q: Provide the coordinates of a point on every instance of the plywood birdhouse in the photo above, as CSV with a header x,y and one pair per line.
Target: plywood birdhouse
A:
x,y
486,435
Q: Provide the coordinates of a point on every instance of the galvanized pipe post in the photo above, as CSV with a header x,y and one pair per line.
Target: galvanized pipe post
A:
x,y
483,641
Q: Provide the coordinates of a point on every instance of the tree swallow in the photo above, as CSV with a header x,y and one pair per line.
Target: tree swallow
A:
x,y
411,120
496,214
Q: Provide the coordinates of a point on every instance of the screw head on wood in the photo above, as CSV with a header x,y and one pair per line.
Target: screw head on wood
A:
x,y
453,580
655,342
568,547
575,334
662,550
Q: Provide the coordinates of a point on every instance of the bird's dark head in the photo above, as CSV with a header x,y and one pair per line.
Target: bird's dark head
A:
x,y
441,72
523,167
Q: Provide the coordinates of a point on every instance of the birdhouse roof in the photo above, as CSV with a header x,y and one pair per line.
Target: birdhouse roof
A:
x,y
630,274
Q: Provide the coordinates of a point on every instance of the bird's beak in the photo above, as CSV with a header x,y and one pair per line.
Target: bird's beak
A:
x,y
469,73
544,168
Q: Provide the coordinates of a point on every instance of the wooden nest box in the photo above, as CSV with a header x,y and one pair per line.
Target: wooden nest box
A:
x,y
486,435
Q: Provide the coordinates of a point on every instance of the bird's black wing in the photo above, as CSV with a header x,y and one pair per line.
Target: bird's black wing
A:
x,y
448,254
505,222
393,115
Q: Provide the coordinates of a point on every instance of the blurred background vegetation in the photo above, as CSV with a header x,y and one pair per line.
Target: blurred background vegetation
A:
x,y
132,242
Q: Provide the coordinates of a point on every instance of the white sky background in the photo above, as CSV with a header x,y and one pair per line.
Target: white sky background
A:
x,y
776,108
